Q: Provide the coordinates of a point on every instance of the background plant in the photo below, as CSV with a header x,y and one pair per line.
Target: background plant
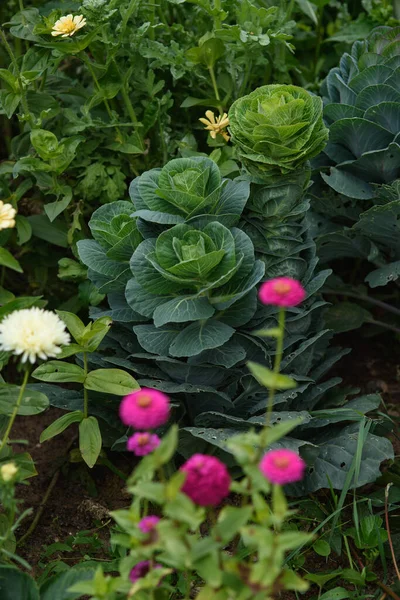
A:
x,y
358,211
86,124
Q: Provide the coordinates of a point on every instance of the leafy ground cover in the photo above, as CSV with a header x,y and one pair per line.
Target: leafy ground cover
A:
x,y
199,199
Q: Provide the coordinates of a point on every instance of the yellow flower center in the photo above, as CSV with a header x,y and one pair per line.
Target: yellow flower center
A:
x,y
143,439
282,287
144,401
281,462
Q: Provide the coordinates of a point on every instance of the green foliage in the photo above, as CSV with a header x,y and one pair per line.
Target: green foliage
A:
x,y
188,292
204,562
361,163
277,129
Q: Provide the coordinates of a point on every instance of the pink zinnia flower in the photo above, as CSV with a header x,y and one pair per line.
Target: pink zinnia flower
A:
x,y
143,443
207,481
145,409
282,291
141,569
282,466
148,524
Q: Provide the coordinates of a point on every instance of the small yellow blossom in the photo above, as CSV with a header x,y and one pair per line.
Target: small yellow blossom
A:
x,y
67,26
7,216
216,125
8,471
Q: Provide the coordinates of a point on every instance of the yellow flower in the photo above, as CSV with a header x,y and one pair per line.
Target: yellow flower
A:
x,y
8,471
7,215
67,26
216,125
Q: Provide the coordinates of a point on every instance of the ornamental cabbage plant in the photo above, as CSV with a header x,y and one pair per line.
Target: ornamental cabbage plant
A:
x,y
361,164
195,277
184,303
277,128
185,189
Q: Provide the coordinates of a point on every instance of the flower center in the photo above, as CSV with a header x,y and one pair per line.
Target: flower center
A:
x,y
143,439
69,26
281,287
282,462
144,401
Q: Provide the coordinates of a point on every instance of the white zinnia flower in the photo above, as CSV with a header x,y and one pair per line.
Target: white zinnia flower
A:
x,y
33,332
7,215
8,471
67,26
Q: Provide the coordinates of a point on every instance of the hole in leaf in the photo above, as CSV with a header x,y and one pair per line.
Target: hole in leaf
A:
x,y
343,464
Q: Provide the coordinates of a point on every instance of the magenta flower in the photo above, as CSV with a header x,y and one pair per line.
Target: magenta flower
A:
x,y
282,466
282,291
141,569
145,409
148,524
207,481
143,443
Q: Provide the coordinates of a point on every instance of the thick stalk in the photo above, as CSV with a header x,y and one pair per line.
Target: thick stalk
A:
x,y
15,411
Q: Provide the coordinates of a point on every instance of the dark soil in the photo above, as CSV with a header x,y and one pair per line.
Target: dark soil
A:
x,y
81,500
78,501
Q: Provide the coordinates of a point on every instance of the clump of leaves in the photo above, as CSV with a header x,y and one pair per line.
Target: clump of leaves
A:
x,y
361,163
277,128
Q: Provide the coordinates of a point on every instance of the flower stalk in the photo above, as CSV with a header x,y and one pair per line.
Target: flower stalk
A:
x,y
15,411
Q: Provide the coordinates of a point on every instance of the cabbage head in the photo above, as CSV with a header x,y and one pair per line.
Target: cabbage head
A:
x,y
277,129
186,188
188,275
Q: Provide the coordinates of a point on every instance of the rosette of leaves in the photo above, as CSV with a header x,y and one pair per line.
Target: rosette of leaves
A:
x,y
361,163
194,277
187,322
186,189
277,129
362,108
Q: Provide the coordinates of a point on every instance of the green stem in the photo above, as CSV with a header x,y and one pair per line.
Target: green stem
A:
x,y
383,324
127,100
129,12
188,584
15,411
214,83
217,20
277,363
87,62
289,10
277,366
85,392
24,101
364,298
152,19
